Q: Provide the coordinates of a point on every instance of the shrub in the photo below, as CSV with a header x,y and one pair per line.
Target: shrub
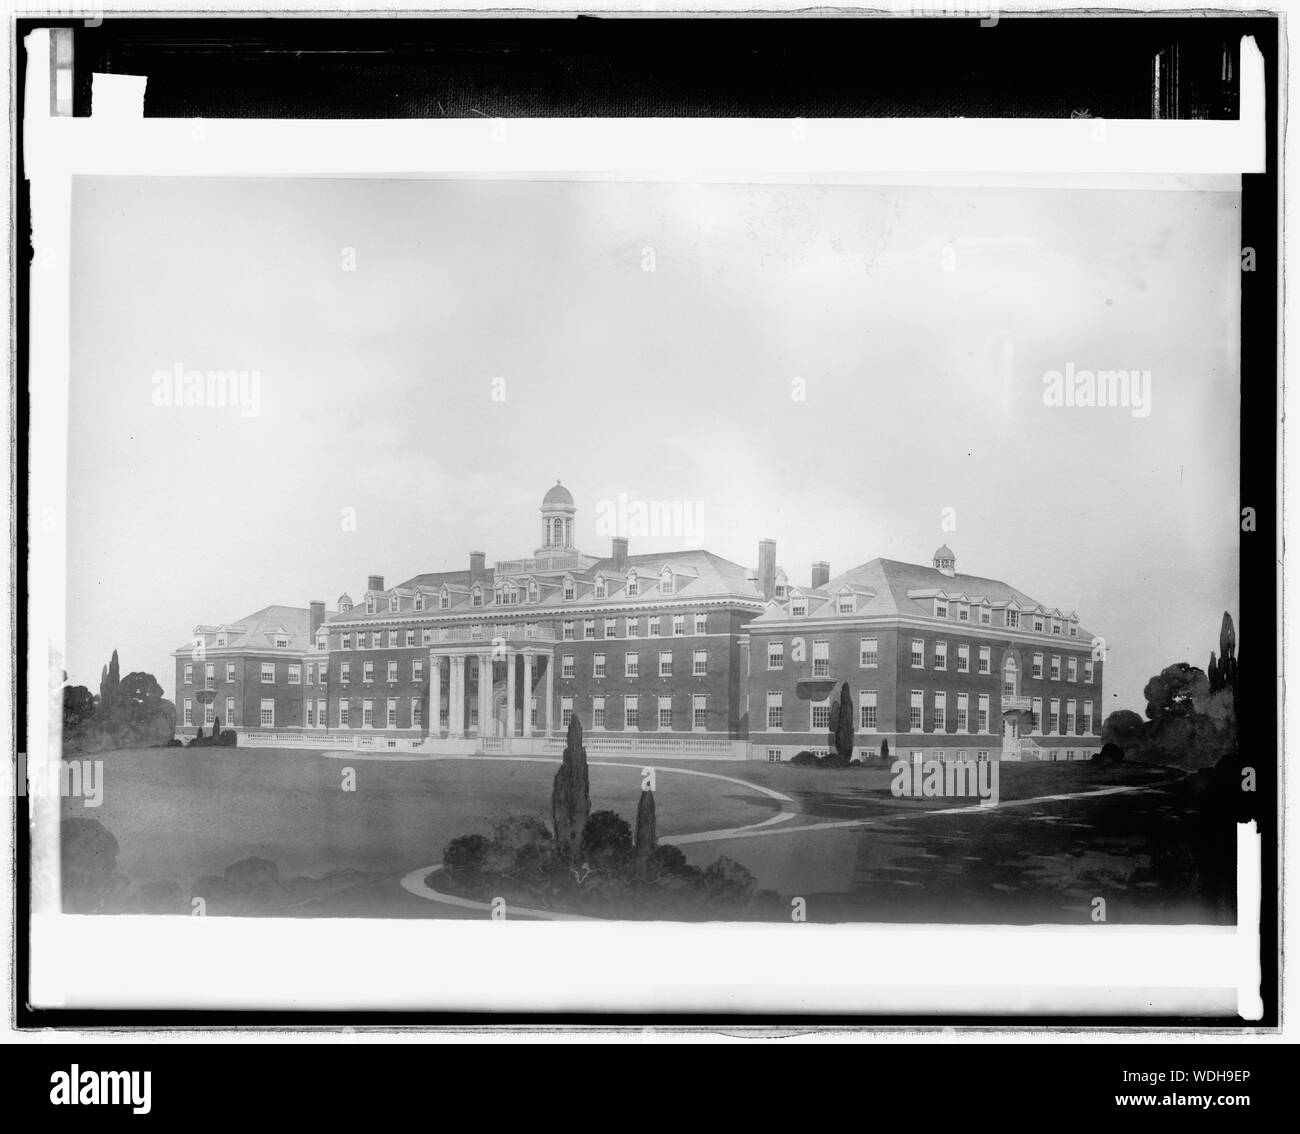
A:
x,y
228,738
1110,754
805,759
607,838
88,860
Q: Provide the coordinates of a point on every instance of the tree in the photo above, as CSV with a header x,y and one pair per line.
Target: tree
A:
x,y
78,707
1122,727
646,835
138,694
571,792
606,837
841,727
1174,691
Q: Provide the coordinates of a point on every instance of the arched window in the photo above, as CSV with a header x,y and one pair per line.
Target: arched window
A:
x,y
1010,677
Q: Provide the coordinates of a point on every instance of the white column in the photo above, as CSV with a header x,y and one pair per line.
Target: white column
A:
x,y
435,695
510,693
528,695
484,693
550,692
456,700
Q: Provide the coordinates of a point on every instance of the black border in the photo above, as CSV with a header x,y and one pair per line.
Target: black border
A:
x,y
806,87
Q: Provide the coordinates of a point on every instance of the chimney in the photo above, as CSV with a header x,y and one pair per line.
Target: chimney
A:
x,y
477,564
316,616
767,568
821,573
618,551
374,582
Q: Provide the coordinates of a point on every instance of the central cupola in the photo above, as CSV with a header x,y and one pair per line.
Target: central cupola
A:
x,y
557,520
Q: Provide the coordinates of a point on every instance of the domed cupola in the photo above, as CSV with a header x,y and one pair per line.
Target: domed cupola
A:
x,y
945,560
558,511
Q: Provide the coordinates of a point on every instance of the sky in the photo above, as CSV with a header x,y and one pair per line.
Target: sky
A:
x,y
853,371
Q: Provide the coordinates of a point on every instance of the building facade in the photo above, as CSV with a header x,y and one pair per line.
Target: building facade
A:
x,y
939,665
680,652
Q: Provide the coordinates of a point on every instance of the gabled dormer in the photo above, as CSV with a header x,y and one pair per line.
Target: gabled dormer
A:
x,y
394,603
782,585
667,582
568,588
600,587
798,602
444,598
633,583
476,595
280,638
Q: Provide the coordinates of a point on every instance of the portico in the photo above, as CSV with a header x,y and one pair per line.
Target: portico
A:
x,y
491,683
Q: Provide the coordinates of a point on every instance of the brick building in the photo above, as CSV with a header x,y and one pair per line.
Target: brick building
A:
x,y
680,652
938,664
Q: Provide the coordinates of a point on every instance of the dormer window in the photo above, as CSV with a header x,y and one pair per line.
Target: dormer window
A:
x,y
392,602
601,591
569,591
345,605
281,642
532,591
1013,619
799,606
476,596
444,599
222,640
845,604
986,614
370,604
1074,629
499,596
1056,628
633,584
780,590
1038,624
940,608
666,581
963,612
419,602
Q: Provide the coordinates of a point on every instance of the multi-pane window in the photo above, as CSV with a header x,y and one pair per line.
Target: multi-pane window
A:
x,y
1072,669
821,658
941,655
567,666
598,712
230,671
347,641
1056,667
1087,670
368,672
600,590
868,652
867,710
916,710
281,642
598,665
700,663
701,623
209,676
295,675
344,707
986,616
1036,707
845,605
322,672
699,711
799,606
654,627
631,713
631,665
633,584
775,711
392,639
1069,718
1038,665
566,630
963,659
665,714
410,637
569,590
982,719
444,600
963,712
266,715
775,655
941,712
391,715
666,582
268,673
311,673
1013,619
376,640
679,625
611,628
1056,628
189,675
417,713
633,627
1038,625
230,712
209,713
940,608
367,713
345,672
1053,715
918,653
392,671
188,718
986,659
963,612
1087,718
417,669
665,663
566,711
589,630
821,714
